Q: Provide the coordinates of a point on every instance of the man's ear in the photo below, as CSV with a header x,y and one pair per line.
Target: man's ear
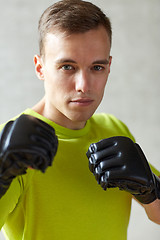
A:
x,y
38,67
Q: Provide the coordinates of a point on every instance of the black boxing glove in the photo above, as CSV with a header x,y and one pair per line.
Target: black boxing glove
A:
x,y
119,162
25,142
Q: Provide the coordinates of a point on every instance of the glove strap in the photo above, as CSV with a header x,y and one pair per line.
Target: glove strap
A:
x,y
152,196
146,198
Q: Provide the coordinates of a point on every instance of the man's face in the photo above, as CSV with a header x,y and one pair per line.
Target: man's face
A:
x,y
75,69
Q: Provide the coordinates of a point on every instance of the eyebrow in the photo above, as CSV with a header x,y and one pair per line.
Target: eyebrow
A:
x,y
66,60
105,62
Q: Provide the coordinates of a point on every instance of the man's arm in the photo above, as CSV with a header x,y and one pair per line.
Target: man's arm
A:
x,y
119,162
153,211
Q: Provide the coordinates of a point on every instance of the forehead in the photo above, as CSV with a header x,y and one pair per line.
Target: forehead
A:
x,y
92,42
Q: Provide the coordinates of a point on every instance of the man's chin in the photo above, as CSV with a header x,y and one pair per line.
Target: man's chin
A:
x,y
83,117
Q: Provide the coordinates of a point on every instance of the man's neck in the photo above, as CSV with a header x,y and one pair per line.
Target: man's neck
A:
x,y
46,111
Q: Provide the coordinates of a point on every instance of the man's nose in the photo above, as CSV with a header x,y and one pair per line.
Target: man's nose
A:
x,y
83,82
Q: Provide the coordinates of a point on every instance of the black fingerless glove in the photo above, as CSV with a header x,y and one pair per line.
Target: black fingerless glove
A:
x,y
25,142
119,162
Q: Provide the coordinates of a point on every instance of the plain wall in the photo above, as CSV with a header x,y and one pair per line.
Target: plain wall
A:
x,y
132,91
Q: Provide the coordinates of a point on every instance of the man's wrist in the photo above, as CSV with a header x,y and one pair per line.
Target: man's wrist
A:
x,y
157,186
151,196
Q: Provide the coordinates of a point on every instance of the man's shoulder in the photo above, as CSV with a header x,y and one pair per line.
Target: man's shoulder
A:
x,y
106,119
11,119
110,125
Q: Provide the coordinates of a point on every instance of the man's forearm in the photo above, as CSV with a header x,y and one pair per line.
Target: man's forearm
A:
x,y
153,211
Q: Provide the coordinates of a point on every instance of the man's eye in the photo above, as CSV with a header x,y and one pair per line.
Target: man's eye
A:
x,y
98,68
67,67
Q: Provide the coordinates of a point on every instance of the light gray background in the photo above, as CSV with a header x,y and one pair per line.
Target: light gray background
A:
x,y
132,92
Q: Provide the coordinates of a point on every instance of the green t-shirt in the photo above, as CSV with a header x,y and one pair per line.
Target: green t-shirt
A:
x,y
66,203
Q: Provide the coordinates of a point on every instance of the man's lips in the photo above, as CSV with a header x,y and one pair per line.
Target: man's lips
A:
x,y
82,101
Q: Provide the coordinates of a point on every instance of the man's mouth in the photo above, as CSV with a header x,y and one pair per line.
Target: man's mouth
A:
x,y
82,101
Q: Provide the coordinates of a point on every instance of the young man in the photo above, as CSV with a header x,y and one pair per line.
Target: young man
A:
x,y
65,202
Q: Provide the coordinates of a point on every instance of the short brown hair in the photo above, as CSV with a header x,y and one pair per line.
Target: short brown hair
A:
x,y
72,16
